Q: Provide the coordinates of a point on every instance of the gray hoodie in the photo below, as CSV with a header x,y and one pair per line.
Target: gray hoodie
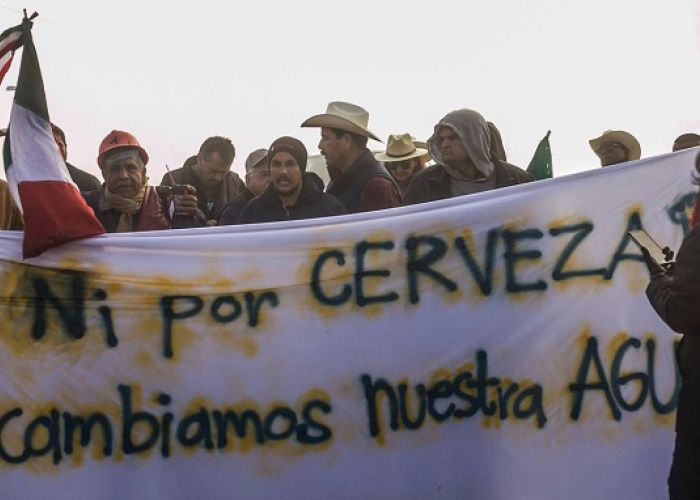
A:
x,y
473,132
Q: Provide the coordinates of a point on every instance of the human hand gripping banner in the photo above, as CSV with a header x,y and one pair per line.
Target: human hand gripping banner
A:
x,y
493,346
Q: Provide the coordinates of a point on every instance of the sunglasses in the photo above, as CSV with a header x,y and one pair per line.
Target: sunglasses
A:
x,y
400,165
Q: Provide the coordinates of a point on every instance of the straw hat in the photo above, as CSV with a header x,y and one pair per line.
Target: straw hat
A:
x,y
343,116
422,145
400,147
624,138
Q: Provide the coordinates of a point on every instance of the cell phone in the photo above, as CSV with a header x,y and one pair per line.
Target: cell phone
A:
x,y
657,252
179,189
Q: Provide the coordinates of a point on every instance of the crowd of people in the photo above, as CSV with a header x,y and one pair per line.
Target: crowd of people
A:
x,y
465,155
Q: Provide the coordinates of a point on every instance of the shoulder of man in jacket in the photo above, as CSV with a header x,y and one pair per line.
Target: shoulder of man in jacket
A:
x,y
676,296
236,181
417,188
232,211
266,201
510,175
378,193
179,175
334,205
84,180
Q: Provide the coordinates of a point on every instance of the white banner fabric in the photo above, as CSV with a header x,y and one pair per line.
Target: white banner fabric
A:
x,y
493,346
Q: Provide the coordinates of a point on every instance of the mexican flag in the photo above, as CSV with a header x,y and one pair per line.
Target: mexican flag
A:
x,y
54,211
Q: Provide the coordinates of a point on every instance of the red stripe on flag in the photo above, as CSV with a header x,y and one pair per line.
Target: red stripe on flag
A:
x,y
5,68
11,47
54,213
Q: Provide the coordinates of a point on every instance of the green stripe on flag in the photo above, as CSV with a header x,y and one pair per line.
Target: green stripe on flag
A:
x,y
6,153
541,164
30,86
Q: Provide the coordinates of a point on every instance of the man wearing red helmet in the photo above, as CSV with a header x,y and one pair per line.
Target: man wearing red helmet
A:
x,y
125,202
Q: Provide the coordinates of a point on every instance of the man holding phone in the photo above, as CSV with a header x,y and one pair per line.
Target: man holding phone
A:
x,y
675,295
214,183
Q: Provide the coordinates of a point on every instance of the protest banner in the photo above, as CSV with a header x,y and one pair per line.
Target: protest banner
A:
x,y
498,345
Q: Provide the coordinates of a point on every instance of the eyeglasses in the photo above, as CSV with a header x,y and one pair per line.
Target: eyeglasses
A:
x,y
262,174
400,165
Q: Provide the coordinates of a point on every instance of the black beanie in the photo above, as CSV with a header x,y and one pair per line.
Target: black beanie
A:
x,y
289,145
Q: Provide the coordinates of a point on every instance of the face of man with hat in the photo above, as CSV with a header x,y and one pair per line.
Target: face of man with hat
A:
x,y
287,164
123,164
401,157
615,146
358,180
257,175
344,134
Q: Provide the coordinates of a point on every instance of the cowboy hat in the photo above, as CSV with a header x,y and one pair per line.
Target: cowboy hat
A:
x,y
624,138
686,141
400,147
343,116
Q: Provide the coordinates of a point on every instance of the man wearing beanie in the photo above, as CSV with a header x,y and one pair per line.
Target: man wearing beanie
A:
x,y
257,177
292,193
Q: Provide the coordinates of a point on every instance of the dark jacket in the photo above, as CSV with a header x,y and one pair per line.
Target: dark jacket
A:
x,y
676,298
312,202
226,191
350,186
231,212
150,217
84,181
433,183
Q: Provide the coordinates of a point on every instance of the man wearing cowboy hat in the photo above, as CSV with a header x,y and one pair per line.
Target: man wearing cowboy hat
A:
x,y
402,158
616,146
461,148
358,180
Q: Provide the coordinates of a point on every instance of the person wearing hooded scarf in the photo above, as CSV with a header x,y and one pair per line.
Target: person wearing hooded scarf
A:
x,y
464,163
292,193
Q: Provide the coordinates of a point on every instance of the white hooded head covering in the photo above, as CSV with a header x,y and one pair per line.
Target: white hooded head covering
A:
x,y
473,132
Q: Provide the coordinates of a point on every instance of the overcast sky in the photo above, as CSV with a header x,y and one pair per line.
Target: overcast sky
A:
x,y
174,73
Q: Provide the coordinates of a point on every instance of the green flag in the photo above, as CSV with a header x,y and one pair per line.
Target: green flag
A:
x,y
541,164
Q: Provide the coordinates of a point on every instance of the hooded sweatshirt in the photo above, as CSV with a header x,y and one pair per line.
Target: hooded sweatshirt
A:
x,y
312,202
473,132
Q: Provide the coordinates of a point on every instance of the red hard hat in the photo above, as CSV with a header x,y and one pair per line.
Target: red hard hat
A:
x,y
118,139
